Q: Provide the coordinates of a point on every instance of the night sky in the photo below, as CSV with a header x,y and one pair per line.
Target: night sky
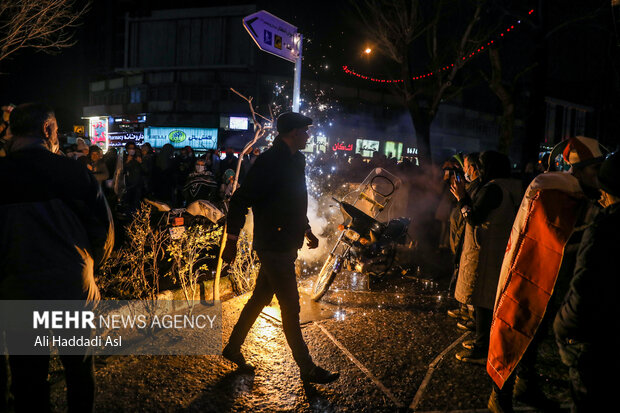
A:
x,y
62,79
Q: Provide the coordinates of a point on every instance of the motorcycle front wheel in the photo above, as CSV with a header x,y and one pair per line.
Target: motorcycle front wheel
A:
x,y
326,277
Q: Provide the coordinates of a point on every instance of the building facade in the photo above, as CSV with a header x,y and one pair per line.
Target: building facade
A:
x,y
179,65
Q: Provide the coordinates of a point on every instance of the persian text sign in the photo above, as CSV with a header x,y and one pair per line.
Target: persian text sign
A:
x,y
179,137
273,35
112,327
342,147
122,138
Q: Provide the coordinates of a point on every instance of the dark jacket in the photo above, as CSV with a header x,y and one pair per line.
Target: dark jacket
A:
x,y
55,227
275,189
98,169
200,186
588,310
457,221
487,230
134,175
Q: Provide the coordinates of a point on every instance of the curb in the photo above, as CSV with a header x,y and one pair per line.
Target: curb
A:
x,y
205,288
175,300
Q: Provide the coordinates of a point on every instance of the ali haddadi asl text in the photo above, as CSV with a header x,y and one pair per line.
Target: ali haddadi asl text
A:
x,y
81,341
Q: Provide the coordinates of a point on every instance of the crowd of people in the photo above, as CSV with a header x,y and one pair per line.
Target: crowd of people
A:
x,y
530,256
176,177
535,259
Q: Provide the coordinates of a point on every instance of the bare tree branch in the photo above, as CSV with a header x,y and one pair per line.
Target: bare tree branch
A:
x,y
395,25
465,39
44,25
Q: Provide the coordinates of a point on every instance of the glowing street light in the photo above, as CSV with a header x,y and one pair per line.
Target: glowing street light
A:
x,y
368,50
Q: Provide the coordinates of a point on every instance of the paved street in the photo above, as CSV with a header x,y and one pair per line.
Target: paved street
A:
x,y
394,347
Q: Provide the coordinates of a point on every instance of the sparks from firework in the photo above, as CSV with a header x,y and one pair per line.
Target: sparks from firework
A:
x,y
322,181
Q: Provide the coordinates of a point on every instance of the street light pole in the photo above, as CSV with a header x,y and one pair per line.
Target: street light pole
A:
x,y
273,35
297,79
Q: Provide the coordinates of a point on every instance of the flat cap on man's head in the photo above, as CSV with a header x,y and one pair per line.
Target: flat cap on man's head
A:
x,y
292,120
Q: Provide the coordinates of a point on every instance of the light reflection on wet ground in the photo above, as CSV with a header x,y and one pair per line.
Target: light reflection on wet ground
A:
x,y
356,290
394,330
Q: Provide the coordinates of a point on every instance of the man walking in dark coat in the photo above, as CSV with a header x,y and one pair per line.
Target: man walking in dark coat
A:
x,y
275,189
55,227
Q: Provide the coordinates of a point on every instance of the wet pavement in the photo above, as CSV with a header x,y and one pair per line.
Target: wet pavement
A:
x,y
393,344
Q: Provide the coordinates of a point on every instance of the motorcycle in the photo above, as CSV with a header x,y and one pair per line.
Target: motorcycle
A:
x,y
365,244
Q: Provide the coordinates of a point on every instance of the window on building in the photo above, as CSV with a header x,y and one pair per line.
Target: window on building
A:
x,y
135,95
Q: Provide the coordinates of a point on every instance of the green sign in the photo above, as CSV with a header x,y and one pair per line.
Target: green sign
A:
x,y
177,136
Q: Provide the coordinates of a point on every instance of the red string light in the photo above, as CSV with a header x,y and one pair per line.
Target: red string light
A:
x,y
471,55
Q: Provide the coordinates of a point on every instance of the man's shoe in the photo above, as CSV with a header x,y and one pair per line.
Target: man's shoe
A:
x,y
499,403
456,313
473,356
461,313
468,325
319,375
468,344
237,358
532,396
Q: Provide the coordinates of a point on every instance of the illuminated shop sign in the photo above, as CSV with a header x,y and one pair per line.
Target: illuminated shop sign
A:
x,y
127,119
342,147
122,138
316,143
393,149
411,151
320,141
197,138
235,123
238,123
366,147
98,131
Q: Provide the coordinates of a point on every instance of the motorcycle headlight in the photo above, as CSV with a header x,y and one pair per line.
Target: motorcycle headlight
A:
x,y
352,235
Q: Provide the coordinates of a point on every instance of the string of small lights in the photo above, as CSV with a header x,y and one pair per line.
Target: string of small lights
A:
x,y
470,56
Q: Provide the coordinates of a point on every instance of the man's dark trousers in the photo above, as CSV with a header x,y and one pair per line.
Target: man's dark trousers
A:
x,y
31,388
276,275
